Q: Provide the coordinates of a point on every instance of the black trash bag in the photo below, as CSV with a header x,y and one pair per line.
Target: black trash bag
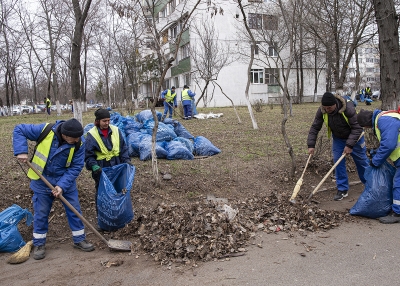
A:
x,y
377,198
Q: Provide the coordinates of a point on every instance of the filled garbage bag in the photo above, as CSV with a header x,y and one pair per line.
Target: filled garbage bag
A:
x,y
377,198
144,115
203,147
165,132
181,131
114,197
145,146
10,238
177,150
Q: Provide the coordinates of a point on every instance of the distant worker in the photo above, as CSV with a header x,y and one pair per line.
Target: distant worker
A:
x,y
340,117
186,97
368,94
47,103
169,96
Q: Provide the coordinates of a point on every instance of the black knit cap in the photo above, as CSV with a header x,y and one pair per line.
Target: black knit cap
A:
x,y
364,118
185,86
72,128
328,99
173,87
101,114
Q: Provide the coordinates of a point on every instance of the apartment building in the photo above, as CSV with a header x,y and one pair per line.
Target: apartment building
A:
x,y
228,34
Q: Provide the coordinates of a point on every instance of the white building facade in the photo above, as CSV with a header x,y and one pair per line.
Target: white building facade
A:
x,y
229,37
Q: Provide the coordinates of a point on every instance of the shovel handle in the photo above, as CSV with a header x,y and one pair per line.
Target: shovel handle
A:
x,y
330,171
71,207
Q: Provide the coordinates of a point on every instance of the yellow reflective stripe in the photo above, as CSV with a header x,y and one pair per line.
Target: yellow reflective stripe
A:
x,y
71,154
325,117
104,153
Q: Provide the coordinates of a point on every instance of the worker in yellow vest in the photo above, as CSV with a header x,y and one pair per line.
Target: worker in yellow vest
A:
x,y
187,96
169,97
59,156
47,102
340,118
386,126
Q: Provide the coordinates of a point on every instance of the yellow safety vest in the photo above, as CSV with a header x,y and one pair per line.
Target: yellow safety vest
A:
x,y
39,159
325,116
185,95
48,100
169,97
104,153
396,153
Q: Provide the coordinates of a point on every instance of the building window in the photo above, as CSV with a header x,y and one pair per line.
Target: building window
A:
x,y
370,69
172,6
271,51
163,13
370,79
186,79
270,22
256,48
185,51
174,31
255,21
369,60
257,76
176,80
261,21
272,76
167,83
376,61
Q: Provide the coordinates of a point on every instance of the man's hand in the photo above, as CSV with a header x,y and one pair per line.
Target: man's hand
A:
x,y
347,150
57,191
23,158
311,151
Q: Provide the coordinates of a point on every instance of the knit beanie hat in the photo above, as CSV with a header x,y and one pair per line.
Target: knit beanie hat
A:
x,y
101,114
328,99
364,118
72,128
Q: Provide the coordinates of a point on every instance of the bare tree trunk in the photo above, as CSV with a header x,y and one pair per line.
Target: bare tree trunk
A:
x,y
252,45
80,18
234,108
388,25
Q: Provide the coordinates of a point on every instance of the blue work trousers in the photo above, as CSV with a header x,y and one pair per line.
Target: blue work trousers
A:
x,y
187,109
396,188
42,203
168,109
360,159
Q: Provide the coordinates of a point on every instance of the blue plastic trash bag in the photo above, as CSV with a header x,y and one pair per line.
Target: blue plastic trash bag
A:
x,y
194,110
165,132
181,131
10,238
377,198
114,197
203,147
87,128
178,151
145,146
144,115
133,143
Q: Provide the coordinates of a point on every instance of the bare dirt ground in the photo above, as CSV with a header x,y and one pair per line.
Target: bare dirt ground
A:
x,y
178,230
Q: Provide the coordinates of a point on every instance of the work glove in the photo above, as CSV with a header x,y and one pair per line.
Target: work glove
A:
x,y
96,171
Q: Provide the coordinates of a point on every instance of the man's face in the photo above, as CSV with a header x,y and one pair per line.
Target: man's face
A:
x,y
173,90
104,123
70,140
329,109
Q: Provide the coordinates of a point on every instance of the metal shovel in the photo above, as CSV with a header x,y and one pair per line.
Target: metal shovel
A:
x,y
116,245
